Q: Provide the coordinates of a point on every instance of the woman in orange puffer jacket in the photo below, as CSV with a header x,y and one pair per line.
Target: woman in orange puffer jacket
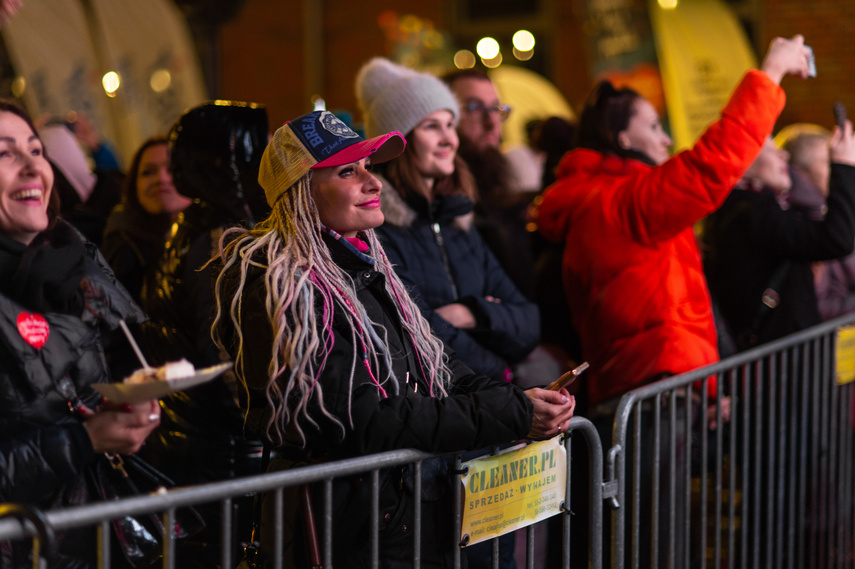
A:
x,y
625,210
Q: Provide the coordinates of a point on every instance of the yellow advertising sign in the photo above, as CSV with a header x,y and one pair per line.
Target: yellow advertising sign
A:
x,y
844,354
513,490
703,53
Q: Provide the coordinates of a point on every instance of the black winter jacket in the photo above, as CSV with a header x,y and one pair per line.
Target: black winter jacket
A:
x,y
750,237
442,260
43,448
479,411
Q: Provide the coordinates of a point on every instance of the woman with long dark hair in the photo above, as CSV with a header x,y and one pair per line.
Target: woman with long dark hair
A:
x,y
57,298
138,227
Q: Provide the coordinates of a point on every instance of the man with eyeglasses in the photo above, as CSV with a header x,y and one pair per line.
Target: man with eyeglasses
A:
x,y
480,125
500,215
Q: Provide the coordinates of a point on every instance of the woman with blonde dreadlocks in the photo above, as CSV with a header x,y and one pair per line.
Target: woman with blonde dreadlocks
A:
x,y
335,358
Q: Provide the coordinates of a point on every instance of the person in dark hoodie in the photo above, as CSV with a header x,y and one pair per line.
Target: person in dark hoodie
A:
x,y
215,150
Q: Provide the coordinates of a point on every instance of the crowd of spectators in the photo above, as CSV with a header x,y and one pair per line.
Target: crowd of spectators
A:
x,y
414,288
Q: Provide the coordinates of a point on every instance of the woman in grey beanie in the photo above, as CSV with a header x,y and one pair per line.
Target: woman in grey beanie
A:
x,y
428,235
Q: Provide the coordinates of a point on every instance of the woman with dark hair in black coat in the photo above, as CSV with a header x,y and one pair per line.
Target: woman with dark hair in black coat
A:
x,y
57,297
138,227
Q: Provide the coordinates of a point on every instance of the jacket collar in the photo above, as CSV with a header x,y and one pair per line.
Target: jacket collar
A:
x,y
403,212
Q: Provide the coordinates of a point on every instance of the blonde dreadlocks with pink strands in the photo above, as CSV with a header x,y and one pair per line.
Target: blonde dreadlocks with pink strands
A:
x,y
333,357
303,287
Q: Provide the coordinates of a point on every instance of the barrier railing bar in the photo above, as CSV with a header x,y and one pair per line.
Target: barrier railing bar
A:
x,y
832,492
719,459
687,476
278,526
457,510
595,461
824,464
636,504
373,522
227,532
769,378
731,494
102,533
672,478
417,538
804,388
789,510
746,461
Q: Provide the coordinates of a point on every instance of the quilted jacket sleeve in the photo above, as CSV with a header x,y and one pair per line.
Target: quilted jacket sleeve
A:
x,y
36,465
663,201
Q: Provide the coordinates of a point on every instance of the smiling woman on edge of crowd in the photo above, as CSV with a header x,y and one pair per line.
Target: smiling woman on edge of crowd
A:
x,y
57,296
355,368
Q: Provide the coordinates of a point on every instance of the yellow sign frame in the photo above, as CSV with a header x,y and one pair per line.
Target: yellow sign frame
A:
x,y
844,355
509,491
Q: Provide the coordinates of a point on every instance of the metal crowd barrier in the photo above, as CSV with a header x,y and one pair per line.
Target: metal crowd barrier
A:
x,y
770,487
41,526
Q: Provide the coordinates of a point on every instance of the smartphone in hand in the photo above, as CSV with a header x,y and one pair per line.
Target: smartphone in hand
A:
x,y
568,378
811,62
840,114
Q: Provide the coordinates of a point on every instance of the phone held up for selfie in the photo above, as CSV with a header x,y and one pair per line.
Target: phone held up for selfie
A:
x,y
840,114
811,62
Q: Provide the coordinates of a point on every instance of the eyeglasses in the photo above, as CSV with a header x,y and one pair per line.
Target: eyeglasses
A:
x,y
474,106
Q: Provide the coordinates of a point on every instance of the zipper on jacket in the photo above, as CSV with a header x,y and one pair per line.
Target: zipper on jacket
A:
x,y
437,234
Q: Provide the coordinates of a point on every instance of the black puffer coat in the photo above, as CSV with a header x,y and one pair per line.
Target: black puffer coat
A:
x,y
479,411
443,260
215,150
750,238
43,448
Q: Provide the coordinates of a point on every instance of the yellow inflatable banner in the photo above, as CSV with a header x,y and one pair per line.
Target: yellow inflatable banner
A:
x,y
509,491
844,354
703,53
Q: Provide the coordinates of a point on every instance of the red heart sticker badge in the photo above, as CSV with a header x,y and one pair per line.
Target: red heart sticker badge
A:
x,y
33,328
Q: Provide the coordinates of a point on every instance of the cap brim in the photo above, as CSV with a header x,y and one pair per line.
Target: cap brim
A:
x,y
380,149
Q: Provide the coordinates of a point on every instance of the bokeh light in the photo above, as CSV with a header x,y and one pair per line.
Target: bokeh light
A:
x,y
523,40
464,59
160,80
493,62
523,55
667,4
111,83
487,48
19,85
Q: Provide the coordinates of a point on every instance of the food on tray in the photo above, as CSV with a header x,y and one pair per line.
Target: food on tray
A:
x,y
170,371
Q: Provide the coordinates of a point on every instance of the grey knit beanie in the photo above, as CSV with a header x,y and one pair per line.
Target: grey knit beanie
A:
x,y
394,97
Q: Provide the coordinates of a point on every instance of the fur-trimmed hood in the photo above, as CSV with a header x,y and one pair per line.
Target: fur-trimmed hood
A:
x,y
401,212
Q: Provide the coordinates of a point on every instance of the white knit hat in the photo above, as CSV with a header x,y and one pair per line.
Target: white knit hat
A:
x,y
394,97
